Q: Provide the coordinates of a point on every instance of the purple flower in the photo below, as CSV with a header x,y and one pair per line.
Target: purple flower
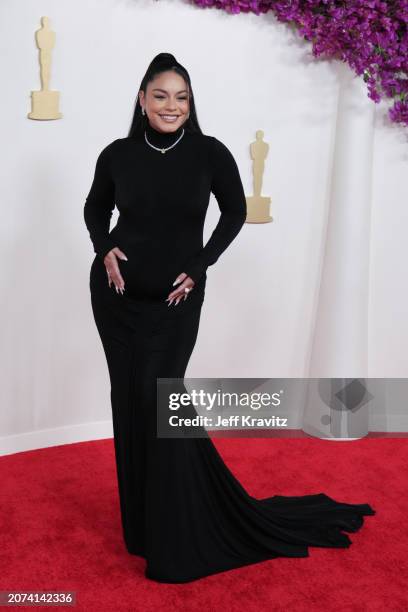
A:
x,y
370,35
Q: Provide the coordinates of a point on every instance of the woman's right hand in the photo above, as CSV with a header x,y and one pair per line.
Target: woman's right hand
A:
x,y
112,268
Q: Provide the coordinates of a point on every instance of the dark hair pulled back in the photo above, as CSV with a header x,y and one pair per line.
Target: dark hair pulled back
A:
x,y
161,63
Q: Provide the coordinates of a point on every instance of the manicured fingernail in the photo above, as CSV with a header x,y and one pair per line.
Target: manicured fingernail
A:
x,y
176,281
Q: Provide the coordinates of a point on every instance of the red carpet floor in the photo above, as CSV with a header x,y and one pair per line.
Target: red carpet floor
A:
x,y
60,530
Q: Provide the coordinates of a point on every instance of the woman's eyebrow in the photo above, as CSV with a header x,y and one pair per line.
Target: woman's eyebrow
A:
x,y
159,89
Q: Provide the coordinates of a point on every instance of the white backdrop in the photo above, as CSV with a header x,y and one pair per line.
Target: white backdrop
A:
x,y
320,291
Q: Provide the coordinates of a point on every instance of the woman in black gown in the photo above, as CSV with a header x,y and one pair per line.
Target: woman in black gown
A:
x,y
182,509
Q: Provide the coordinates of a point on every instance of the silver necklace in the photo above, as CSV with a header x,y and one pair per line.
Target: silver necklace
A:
x,y
161,149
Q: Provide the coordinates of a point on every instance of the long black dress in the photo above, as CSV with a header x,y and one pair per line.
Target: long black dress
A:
x,y
181,507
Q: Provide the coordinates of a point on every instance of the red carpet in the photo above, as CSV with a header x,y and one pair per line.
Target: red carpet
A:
x,y
60,530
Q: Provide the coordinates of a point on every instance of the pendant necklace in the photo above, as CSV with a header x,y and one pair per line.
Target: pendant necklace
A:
x,y
164,149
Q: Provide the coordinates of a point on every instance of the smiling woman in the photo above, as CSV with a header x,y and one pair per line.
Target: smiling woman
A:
x,y
167,105
162,201
181,507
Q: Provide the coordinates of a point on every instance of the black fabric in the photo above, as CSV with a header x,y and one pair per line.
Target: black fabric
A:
x,y
182,509
163,200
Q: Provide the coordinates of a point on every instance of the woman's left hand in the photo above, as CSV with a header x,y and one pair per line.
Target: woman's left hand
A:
x,y
179,293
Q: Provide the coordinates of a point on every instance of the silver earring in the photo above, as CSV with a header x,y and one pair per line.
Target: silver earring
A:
x,y
143,111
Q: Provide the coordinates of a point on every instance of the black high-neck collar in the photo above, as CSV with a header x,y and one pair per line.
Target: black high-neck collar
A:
x,y
162,139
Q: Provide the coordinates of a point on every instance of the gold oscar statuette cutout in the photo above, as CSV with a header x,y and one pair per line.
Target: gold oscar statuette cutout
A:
x,y
258,207
45,103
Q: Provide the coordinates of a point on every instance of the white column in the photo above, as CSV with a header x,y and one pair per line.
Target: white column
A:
x,y
339,338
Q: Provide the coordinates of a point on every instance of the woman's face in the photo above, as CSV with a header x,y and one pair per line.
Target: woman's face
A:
x,y
166,102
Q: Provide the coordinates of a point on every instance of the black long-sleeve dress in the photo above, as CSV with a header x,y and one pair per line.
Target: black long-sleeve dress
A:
x,y
181,507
